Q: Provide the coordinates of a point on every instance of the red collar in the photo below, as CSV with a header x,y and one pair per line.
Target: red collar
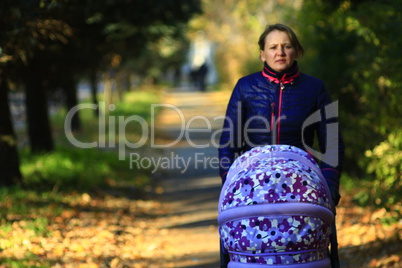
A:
x,y
286,77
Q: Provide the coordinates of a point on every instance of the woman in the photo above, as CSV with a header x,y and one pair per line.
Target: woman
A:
x,y
276,106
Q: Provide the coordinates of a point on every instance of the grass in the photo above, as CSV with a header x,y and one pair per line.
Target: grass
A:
x,y
28,262
69,168
72,168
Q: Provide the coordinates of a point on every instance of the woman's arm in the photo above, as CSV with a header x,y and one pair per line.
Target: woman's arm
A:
x,y
330,143
232,135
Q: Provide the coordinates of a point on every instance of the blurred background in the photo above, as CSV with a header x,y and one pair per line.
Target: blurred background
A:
x,y
55,54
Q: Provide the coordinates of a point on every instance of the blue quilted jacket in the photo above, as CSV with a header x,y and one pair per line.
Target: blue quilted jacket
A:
x,y
293,110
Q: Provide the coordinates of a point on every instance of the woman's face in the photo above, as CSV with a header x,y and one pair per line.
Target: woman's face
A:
x,y
278,52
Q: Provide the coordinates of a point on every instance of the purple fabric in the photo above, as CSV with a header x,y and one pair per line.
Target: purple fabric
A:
x,y
325,263
280,209
276,240
287,155
275,208
269,152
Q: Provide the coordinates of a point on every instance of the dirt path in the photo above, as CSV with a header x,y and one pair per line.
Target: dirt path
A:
x,y
190,187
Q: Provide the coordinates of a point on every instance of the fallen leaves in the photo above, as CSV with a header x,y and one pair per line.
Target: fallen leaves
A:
x,y
364,241
106,231
89,230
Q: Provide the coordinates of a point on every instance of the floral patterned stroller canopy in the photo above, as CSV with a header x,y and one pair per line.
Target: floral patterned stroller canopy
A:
x,y
275,210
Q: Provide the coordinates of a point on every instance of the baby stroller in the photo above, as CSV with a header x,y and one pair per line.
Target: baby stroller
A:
x,y
275,210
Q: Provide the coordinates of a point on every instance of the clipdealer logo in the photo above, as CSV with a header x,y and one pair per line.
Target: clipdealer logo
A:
x,y
148,135
112,135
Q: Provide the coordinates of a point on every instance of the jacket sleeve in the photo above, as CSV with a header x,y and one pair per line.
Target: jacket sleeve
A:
x,y
330,140
231,139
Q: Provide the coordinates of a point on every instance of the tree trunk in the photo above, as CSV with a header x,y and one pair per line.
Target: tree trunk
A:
x,y
9,160
119,88
94,90
39,130
107,91
70,89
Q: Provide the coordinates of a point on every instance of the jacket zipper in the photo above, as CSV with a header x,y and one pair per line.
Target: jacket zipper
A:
x,y
273,130
278,136
276,126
